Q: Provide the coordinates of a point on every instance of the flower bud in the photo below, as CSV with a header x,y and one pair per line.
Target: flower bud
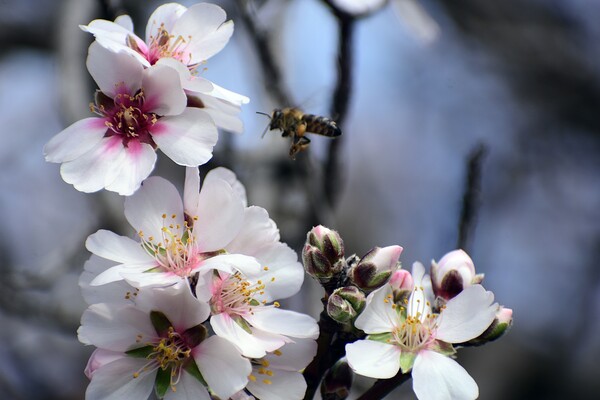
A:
x,y
452,274
337,381
345,304
376,267
323,253
497,329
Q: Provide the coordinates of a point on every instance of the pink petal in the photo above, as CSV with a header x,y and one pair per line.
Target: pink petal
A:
x,y
162,91
188,138
437,377
373,359
467,315
222,366
209,32
136,165
75,140
114,72
96,168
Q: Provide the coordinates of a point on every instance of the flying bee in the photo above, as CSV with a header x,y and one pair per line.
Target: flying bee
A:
x,y
292,122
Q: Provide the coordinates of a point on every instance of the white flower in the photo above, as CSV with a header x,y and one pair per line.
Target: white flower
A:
x,y
414,337
157,341
182,38
358,7
277,376
138,110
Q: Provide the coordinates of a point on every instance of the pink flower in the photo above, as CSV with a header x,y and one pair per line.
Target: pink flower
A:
x,y
138,110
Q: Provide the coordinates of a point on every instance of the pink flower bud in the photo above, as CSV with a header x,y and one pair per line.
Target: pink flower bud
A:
x,y
376,267
454,272
323,253
401,280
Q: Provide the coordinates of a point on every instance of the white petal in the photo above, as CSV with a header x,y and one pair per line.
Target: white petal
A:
x,y
373,359
258,231
143,279
165,15
75,140
281,385
96,168
122,249
115,381
99,358
231,263
467,315
191,190
378,315
118,273
209,32
188,138
114,36
220,93
163,93
186,79
228,176
225,327
136,165
225,117
220,215
125,21
222,366
293,356
188,388
437,377
114,72
115,327
284,322
145,209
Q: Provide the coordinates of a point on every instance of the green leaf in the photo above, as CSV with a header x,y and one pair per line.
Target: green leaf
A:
x,y
407,359
140,352
160,322
385,337
162,382
242,322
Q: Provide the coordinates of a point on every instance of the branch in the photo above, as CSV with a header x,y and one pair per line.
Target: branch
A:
x,y
383,387
471,197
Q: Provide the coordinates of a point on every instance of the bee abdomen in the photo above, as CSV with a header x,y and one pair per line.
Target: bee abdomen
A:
x,y
321,125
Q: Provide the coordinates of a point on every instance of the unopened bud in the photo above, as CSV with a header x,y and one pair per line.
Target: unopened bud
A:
x,y
337,381
402,284
452,274
323,253
497,329
376,267
345,304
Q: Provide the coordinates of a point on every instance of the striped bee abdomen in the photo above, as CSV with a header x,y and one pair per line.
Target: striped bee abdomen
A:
x,y
321,125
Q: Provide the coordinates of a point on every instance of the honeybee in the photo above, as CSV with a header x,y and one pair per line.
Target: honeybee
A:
x,y
292,122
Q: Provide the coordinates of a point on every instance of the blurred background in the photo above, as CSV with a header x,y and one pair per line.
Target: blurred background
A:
x,y
507,93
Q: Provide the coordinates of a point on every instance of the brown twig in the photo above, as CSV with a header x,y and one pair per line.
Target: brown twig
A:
x,y
383,387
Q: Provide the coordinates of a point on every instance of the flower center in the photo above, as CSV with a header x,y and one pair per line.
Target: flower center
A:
x,y
125,116
234,295
417,324
165,45
175,250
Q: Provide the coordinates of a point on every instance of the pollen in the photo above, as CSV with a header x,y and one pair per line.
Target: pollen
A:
x,y
277,352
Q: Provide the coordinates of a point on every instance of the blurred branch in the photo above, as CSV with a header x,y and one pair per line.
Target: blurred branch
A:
x,y
471,197
383,387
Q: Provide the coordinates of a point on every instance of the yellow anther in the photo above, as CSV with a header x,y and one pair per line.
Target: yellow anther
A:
x,y
164,216
277,352
276,304
267,382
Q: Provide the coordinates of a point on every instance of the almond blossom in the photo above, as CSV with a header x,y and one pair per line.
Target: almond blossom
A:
x,y
415,336
139,110
157,342
182,38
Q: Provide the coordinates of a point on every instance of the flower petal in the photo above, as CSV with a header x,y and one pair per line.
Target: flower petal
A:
x,y
188,138
136,165
222,366
188,387
282,385
225,327
293,356
467,315
378,315
109,293
153,206
118,273
220,215
163,93
115,381
228,176
258,231
163,17
114,72
437,377
226,95
205,25
186,79
96,168
373,359
75,140
191,190
109,245
283,322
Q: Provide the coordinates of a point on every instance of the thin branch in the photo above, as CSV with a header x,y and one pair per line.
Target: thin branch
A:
x,y
471,197
383,387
